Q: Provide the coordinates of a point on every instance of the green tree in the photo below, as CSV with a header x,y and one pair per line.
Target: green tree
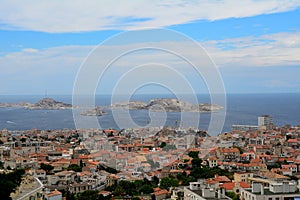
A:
x,y
9,182
155,180
88,195
196,162
119,191
146,189
232,195
163,144
166,183
127,186
46,167
138,185
74,167
194,154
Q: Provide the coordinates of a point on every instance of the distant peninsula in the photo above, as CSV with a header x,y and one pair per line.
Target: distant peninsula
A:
x,y
166,104
44,104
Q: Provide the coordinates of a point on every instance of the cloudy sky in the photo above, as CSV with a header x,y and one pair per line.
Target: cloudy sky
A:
x,y
255,45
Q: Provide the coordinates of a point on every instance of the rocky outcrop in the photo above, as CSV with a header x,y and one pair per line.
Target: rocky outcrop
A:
x,y
166,104
44,104
50,104
130,105
98,111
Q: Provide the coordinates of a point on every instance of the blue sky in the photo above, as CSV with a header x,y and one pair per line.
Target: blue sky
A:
x,y
254,44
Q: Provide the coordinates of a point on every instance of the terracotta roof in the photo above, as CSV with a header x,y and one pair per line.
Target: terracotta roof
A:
x,y
104,193
221,178
54,193
288,166
292,141
228,186
244,185
160,192
229,150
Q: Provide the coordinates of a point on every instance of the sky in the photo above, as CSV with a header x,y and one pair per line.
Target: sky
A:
x,y
254,45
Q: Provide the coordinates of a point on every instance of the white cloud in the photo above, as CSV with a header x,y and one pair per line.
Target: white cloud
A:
x,y
60,64
280,49
33,62
78,15
30,50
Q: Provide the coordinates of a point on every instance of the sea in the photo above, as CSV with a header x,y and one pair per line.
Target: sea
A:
x,y
240,109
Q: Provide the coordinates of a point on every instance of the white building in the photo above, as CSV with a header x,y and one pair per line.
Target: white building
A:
x,y
236,127
54,195
265,122
275,191
199,191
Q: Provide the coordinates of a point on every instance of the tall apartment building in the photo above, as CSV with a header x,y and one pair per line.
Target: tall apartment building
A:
x,y
265,122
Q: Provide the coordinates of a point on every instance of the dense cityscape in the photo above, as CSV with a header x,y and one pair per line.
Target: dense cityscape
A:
x,y
262,162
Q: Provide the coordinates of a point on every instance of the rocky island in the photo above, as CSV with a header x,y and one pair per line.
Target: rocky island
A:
x,y
166,104
44,104
98,111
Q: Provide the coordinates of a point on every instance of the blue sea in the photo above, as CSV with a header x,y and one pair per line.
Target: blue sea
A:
x,y
240,109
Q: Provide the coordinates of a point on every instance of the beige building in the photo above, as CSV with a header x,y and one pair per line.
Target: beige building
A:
x,y
242,177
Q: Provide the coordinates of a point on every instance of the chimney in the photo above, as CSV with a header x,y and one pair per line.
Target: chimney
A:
x,y
219,193
262,190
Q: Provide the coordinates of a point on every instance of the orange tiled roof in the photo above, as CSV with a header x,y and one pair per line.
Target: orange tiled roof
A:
x,y
292,141
160,192
54,193
229,150
221,178
228,185
244,185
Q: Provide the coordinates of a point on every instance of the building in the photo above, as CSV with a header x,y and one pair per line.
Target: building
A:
x,y
285,190
228,154
265,122
240,127
54,195
242,176
200,191
160,194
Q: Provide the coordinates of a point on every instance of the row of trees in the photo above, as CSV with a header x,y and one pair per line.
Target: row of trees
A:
x,y
137,187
